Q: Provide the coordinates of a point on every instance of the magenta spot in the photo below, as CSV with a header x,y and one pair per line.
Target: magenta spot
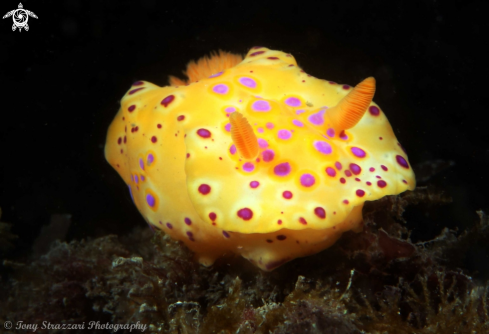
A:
x,y
180,118
381,183
284,134
143,178
348,173
119,141
134,90
150,200
226,234
220,89
317,118
345,201
330,171
355,169
343,135
342,180
338,165
358,152
204,189
141,163
150,159
404,181
302,221
158,126
262,143
322,147
374,111
346,87
230,109
320,212
299,111
330,132
216,74
273,58
287,194
254,184
154,139
307,180
248,82
360,193
279,222
204,133
293,102
167,100
282,169
256,53
248,167
261,106
371,169
138,83
170,226
260,130
297,122
268,155
384,168
190,236
131,108
136,178
212,216
188,221
401,161
269,126
245,214
232,149
228,127
368,183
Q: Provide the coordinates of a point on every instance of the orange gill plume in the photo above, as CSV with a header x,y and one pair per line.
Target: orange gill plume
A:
x,y
207,66
348,112
243,136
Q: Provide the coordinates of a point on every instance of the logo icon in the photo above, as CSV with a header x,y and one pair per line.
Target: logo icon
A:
x,y
20,17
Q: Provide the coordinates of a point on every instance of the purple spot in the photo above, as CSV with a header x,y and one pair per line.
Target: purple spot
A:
x,y
248,167
248,82
170,226
212,216
384,168
262,143
138,83
261,106
300,111
220,89
284,134
131,108
307,180
320,212
150,200
330,132
188,221
371,169
342,180
297,122
346,87
381,183
330,171
268,155
228,127
141,163
401,161
232,149
254,184
230,109
167,100
374,111
287,194
217,74
322,147
269,126
343,135
358,152
204,189
360,193
260,130
190,236
293,102
136,178
317,118
348,173
135,90
302,221
245,214
204,133
338,165
355,169
282,169
150,159
180,118
226,234
130,192
256,53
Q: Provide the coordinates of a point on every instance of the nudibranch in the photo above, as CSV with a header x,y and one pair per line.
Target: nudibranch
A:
x,y
255,157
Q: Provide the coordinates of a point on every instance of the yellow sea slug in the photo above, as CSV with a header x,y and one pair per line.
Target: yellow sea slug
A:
x,y
254,156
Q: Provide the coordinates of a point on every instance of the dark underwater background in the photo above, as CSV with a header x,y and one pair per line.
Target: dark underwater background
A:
x,y
61,83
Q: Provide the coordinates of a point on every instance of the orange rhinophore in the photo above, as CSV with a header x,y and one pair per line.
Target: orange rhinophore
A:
x,y
243,136
348,112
